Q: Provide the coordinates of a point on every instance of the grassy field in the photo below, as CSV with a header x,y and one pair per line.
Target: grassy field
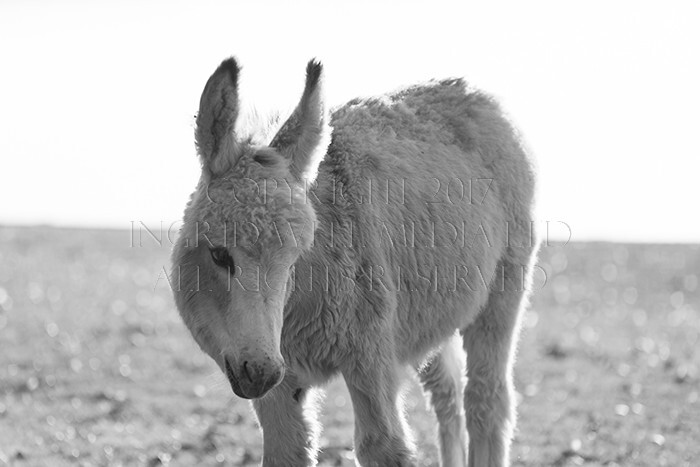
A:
x,y
97,369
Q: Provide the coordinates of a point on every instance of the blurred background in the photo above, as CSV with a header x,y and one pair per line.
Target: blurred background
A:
x,y
97,105
98,99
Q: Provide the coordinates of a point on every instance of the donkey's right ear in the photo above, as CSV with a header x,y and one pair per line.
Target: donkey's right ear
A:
x,y
218,110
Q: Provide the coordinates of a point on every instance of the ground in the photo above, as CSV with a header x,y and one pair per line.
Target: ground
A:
x,y
96,367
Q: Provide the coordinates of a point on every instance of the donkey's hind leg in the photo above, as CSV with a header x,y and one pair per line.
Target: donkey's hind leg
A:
x,y
443,378
490,343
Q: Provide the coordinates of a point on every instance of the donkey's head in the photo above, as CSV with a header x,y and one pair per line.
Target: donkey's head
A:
x,y
244,227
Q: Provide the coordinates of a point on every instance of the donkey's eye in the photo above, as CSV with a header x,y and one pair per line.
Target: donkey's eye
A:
x,y
221,257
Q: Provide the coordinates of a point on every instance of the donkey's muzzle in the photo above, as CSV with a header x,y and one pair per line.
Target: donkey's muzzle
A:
x,y
251,379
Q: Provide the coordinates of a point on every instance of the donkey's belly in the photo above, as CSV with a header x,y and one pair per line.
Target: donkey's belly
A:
x,y
442,283
444,297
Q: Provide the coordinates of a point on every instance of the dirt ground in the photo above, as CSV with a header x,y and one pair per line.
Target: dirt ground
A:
x,y
96,367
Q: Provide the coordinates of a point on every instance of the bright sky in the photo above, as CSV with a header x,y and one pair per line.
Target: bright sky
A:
x,y
97,99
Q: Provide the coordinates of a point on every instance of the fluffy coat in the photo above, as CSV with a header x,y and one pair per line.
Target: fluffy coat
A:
x,y
410,242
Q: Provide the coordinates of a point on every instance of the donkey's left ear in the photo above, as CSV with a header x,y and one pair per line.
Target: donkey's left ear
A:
x,y
304,137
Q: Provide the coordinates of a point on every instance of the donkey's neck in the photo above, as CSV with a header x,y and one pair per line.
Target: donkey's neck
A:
x,y
325,273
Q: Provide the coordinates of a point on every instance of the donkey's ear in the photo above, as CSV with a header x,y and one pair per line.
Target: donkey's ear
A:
x,y
218,110
303,139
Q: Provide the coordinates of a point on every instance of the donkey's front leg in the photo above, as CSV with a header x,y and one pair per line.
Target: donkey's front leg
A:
x,y
289,425
380,431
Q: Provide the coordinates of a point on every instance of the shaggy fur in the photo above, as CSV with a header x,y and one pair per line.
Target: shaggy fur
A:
x,y
414,244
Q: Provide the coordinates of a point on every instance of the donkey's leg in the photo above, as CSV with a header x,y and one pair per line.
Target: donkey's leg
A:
x,y
490,343
290,428
381,437
443,378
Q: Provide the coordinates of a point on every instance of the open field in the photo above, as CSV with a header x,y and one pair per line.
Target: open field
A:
x,y
97,369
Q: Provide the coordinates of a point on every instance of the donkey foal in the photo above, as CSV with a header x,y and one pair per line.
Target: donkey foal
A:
x,y
402,240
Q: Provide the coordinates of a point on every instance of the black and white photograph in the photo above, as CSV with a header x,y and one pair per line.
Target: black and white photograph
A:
x,y
334,234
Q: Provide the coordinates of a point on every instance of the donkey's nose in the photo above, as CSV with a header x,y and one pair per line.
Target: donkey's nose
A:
x,y
248,373
232,378
251,378
259,376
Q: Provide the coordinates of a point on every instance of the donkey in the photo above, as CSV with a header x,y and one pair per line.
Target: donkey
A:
x,y
397,240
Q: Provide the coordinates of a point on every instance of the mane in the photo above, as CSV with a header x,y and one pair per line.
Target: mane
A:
x,y
256,127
